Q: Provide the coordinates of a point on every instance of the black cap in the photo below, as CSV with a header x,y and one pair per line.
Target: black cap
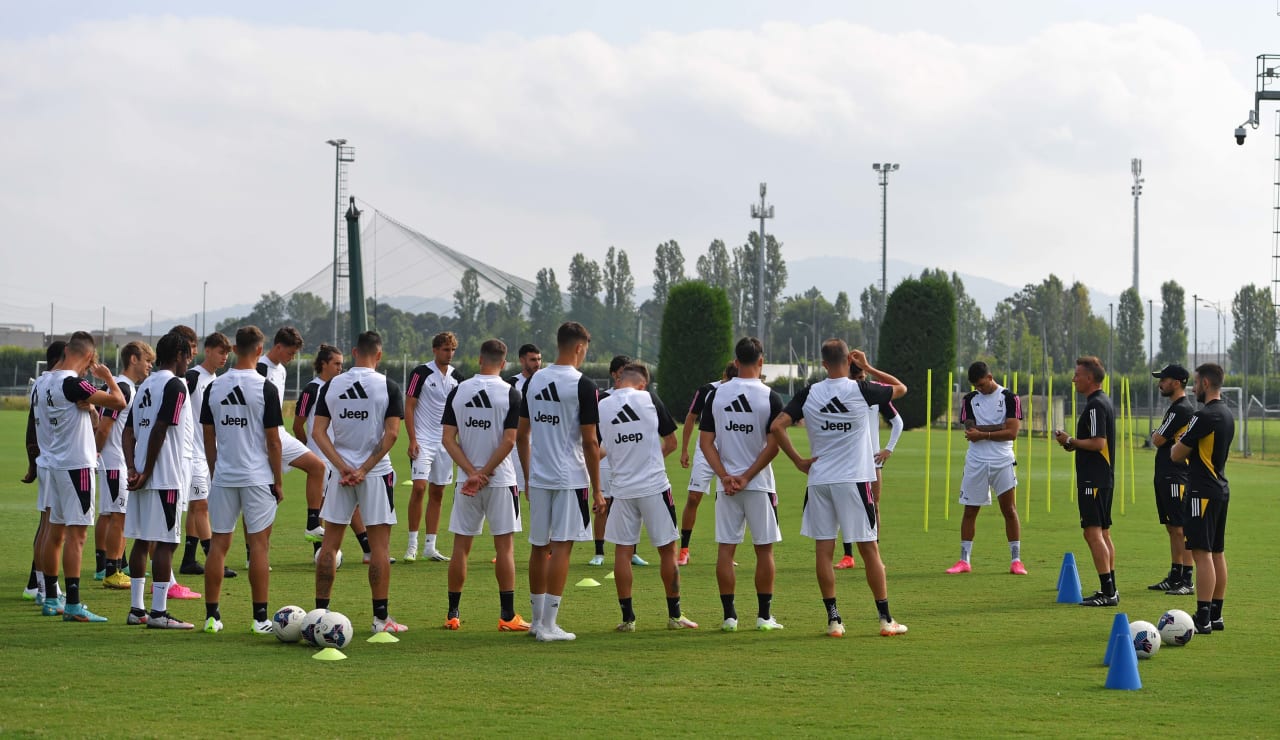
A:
x,y
1177,372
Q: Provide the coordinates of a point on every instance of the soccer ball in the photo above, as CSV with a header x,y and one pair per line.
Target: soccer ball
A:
x,y
337,560
1146,640
287,623
309,623
1176,627
333,631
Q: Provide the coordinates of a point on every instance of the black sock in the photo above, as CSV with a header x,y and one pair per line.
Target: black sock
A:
x,y
50,587
211,610
1112,574
628,614
111,567
313,518
882,606
1175,573
1204,612
322,603
833,614
363,539
189,551
685,536
73,591
507,602
1107,580
600,547
1215,609
726,603
204,546
31,579
673,607
122,563
315,548
454,598
100,559
1187,575
763,601
379,608
848,549
260,611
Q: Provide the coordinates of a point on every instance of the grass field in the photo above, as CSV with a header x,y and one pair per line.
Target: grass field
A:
x,y
988,654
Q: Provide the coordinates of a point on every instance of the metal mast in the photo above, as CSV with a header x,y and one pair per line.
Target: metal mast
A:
x,y
343,155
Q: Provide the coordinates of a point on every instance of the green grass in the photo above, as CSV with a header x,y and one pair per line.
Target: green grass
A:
x,y
987,654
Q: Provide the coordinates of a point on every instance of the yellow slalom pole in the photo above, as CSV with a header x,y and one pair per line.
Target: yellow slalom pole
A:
x,y
1015,437
1031,394
1072,492
928,440
1117,460
1133,450
1048,449
946,501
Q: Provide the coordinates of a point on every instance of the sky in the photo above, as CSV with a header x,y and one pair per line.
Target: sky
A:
x,y
154,147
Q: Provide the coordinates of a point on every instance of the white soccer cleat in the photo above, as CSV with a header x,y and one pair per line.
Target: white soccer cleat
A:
x,y
835,629
314,534
410,555
596,560
262,627
626,626
681,623
437,556
554,633
729,625
767,625
891,628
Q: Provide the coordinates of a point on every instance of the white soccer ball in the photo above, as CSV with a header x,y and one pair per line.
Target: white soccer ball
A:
x,y
287,623
1176,627
333,631
337,559
1146,638
309,623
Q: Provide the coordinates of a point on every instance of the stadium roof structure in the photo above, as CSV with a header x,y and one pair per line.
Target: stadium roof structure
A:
x,y
413,272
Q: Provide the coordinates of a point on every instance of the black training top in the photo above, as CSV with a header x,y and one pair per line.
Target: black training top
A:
x,y
1209,436
1097,469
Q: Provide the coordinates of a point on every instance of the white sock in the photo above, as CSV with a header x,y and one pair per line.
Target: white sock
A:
x,y
413,540
550,609
966,549
429,543
536,602
1015,549
159,596
138,593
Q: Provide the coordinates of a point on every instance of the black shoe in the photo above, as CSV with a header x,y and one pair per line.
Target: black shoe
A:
x,y
1165,585
1218,624
1182,590
1101,599
1202,629
191,569
228,573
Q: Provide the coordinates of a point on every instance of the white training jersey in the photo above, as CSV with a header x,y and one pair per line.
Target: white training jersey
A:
x,y
634,423
71,440
838,415
240,406
40,418
112,451
986,409
432,388
357,403
278,374
162,396
198,380
891,416
558,401
739,413
518,382
482,408
306,409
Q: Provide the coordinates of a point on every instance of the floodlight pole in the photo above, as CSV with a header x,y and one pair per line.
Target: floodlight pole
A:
x,y
1195,331
761,212
883,170
1135,166
342,155
1151,361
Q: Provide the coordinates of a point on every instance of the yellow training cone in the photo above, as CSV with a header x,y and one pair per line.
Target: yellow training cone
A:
x,y
609,577
330,654
383,637
588,583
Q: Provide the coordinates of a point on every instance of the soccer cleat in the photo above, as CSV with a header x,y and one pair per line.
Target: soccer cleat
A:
x,y
1202,629
683,557
29,594
191,569
410,555
1017,568
54,607
961,566
1165,585
626,626
846,563
437,556
369,557
262,627
179,591
1218,625
767,625
596,560
118,581
139,616
228,573
835,629
554,633
453,623
515,624
891,628
167,621
98,575
729,625
681,623
388,625
1101,599
314,534
213,625
533,630
1182,589
39,598
80,613
637,560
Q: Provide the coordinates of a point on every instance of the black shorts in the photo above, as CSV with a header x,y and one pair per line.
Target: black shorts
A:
x,y
1095,506
1205,524
1169,502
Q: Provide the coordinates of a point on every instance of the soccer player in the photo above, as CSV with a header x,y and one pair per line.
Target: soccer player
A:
x,y
991,415
113,486
891,417
560,453
216,349
700,477
1205,446
429,465
479,432
154,441
641,433
357,421
1171,479
72,458
600,521
839,494
177,590
1094,446
734,437
240,423
530,362
38,472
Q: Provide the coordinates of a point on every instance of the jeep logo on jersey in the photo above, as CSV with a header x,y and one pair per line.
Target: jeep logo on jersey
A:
x,y
479,401
350,414
636,437
478,423
734,426
354,392
548,394
235,421
739,405
234,398
834,407
838,426
146,399
626,415
551,419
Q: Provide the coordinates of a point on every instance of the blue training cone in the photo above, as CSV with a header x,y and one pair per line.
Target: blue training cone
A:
x,y
1119,626
1123,673
1069,581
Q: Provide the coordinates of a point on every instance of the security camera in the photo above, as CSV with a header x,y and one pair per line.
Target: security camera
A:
x,y
1241,132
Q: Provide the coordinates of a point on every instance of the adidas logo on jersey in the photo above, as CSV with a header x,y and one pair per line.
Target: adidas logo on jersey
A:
x,y
834,407
479,401
356,391
48,398
146,399
626,415
235,398
548,394
739,405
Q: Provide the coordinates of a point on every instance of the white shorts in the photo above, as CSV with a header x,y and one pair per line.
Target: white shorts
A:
x,y
499,505
71,502
153,516
290,449
199,488
606,478
432,465
846,507
657,512
701,476
375,495
44,489
755,509
981,478
113,491
226,504
559,515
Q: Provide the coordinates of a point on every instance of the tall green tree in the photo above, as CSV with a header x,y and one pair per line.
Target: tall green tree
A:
x,y
1131,347
1173,325
1255,330
846,327
805,321
584,292
468,307
546,313
668,270
697,328
871,304
619,298
775,281
919,334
